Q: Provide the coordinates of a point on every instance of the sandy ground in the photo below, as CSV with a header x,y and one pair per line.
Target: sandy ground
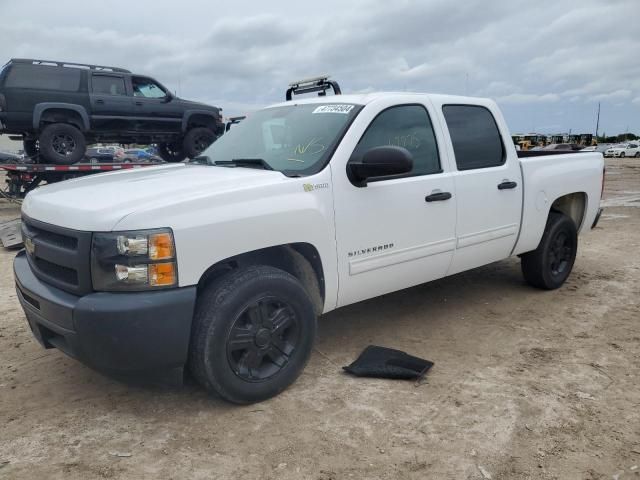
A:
x,y
526,384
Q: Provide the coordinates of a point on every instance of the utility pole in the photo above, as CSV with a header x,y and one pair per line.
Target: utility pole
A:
x,y
598,122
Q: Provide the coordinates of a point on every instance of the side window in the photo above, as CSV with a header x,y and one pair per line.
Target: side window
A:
x,y
43,77
108,85
405,126
475,136
144,87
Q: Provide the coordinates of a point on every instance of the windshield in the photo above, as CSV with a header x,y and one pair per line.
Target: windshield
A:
x,y
295,139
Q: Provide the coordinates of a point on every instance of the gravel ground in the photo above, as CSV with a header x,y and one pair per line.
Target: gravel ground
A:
x,y
526,384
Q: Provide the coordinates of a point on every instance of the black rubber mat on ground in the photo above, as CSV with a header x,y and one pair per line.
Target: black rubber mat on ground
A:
x,y
382,362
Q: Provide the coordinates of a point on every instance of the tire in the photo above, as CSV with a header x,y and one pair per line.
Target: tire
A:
x,y
171,152
31,148
197,140
243,304
622,155
62,144
549,265
637,154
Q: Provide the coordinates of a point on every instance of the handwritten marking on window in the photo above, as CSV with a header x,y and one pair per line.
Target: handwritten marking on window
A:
x,y
311,148
410,141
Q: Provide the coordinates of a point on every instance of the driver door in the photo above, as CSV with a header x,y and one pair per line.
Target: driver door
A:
x,y
395,233
154,108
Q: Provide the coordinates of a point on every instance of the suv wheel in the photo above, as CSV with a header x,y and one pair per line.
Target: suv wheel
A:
x,y
197,140
252,335
62,144
171,152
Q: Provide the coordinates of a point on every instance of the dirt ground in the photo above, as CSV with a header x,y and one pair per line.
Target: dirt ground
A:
x,y
526,384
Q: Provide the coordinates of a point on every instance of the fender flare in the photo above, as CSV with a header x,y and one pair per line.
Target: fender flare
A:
x,y
40,108
189,113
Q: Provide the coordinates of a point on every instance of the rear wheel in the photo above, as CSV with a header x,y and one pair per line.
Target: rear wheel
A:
x,y
197,140
550,264
252,335
62,144
171,152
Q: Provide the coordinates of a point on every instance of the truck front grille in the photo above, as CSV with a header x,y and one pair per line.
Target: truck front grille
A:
x,y
58,256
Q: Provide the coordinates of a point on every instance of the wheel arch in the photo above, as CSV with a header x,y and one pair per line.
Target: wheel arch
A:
x,y
574,205
302,260
199,118
50,112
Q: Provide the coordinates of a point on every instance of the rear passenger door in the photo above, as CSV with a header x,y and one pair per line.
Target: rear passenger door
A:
x,y
110,103
488,184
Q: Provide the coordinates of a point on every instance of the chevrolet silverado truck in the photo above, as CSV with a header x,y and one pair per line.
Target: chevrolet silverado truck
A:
x,y
57,108
222,267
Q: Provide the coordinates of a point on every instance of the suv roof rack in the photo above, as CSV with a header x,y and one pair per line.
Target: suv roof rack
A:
x,y
315,84
34,61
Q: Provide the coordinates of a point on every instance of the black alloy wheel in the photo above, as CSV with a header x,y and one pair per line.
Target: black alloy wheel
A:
x,y
197,140
63,144
252,333
561,253
262,339
549,265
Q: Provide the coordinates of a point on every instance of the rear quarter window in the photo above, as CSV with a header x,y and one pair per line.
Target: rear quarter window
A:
x,y
43,78
475,136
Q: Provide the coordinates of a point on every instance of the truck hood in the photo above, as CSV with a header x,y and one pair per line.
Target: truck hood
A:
x,y
99,202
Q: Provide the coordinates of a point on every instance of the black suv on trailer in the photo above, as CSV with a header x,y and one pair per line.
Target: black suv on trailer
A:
x,y
58,108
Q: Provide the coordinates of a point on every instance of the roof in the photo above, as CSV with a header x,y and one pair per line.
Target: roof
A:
x,y
365,98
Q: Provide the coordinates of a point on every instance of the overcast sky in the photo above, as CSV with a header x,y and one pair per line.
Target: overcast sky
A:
x,y
548,64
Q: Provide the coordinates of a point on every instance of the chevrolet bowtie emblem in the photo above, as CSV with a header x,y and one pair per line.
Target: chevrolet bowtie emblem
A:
x,y
29,246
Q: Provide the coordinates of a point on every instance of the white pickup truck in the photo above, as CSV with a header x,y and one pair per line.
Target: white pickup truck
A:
x,y
303,207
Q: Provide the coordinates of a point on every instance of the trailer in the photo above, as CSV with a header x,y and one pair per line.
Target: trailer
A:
x,y
22,178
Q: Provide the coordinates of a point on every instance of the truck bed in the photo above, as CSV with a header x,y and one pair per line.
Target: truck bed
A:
x,y
547,178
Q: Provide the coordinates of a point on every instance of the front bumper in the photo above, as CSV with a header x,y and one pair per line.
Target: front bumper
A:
x,y
139,334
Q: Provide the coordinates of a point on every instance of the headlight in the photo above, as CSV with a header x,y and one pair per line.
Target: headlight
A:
x,y
134,260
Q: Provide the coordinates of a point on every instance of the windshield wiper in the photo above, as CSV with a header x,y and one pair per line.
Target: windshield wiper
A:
x,y
245,162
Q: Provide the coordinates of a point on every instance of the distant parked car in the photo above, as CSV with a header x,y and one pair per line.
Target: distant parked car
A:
x,y
626,150
104,155
6,157
140,155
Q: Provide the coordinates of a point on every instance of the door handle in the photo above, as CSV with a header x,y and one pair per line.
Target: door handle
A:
x,y
506,185
100,101
438,197
139,104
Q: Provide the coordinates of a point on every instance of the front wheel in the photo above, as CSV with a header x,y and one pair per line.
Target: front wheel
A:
x,y
197,140
252,335
622,155
637,154
171,152
549,265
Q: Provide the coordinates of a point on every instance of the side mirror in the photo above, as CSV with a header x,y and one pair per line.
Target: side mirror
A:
x,y
168,97
379,162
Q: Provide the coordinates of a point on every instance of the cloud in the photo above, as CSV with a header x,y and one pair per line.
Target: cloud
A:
x,y
544,65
